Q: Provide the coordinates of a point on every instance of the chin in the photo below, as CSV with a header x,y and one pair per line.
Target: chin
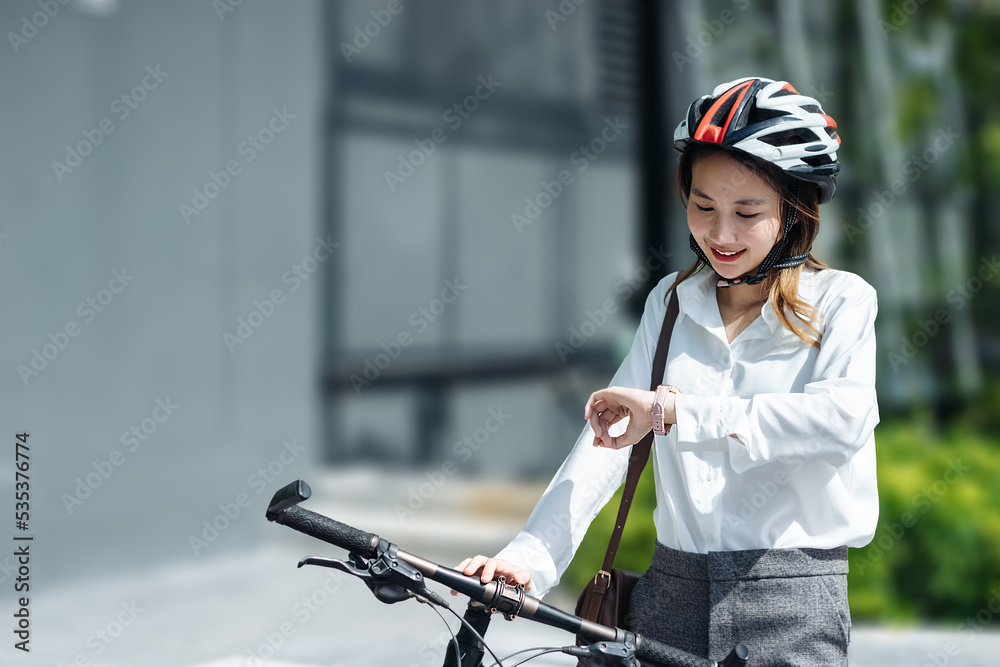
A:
x,y
730,272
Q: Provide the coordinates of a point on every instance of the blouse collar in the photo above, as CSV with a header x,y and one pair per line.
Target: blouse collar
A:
x,y
697,300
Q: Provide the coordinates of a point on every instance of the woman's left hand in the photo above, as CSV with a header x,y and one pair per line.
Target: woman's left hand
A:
x,y
609,406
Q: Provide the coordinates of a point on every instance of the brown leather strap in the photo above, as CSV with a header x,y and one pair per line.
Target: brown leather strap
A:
x,y
640,451
592,603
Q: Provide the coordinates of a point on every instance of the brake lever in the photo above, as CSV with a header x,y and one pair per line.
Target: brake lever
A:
x,y
338,564
389,579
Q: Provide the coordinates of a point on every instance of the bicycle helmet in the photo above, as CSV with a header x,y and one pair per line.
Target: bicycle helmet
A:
x,y
771,121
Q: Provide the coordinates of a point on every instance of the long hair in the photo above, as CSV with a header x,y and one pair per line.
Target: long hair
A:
x,y
781,285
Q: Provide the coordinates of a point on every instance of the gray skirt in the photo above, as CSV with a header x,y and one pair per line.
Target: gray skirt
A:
x,y
789,606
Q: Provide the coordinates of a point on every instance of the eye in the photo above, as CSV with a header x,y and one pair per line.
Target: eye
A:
x,y
703,208
749,216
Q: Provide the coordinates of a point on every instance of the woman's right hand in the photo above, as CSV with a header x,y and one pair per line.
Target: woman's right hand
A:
x,y
489,569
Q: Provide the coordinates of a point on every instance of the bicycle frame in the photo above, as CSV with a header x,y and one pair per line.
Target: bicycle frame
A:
x,y
394,575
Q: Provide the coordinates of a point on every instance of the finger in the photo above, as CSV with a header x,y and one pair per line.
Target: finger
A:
x,y
469,567
489,569
473,564
608,420
594,404
600,433
626,439
595,426
597,401
614,413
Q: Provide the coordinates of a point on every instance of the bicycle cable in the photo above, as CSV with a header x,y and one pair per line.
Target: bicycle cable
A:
x,y
474,633
537,655
454,640
542,650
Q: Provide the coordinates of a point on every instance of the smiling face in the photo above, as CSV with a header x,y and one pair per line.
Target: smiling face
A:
x,y
732,214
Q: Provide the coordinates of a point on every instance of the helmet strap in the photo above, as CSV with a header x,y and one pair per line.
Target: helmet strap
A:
x,y
771,261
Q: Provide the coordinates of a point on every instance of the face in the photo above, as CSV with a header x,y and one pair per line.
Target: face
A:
x,y
732,214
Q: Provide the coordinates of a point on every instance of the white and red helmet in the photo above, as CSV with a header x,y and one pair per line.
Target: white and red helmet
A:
x,y
771,121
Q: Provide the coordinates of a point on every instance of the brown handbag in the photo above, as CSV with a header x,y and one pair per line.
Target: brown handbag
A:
x,y
605,599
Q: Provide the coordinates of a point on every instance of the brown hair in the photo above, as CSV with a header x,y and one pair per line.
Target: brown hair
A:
x,y
781,285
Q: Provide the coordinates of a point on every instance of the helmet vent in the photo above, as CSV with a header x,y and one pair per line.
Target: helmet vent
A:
x,y
811,108
817,160
759,115
705,106
790,137
782,92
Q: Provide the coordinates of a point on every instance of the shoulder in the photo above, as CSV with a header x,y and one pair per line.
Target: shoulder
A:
x,y
656,300
838,294
655,307
831,287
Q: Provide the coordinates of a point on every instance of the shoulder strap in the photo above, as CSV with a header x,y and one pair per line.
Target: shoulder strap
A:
x,y
640,451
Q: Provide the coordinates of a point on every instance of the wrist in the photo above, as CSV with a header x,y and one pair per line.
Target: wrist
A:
x,y
646,414
663,411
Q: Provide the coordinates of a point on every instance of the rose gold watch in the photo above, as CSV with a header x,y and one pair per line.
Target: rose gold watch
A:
x,y
659,428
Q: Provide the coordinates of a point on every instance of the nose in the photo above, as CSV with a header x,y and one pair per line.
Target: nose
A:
x,y
723,230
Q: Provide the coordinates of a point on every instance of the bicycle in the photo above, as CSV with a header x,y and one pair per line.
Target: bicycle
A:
x,y
394,575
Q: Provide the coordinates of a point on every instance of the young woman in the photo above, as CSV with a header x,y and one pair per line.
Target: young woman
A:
x,y
765,468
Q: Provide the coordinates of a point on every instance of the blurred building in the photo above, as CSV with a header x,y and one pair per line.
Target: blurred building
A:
x,y
412,236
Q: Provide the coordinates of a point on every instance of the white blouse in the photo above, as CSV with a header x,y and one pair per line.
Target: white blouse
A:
x,y
773,446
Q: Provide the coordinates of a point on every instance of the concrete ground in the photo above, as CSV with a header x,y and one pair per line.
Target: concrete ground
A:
x,y
256,608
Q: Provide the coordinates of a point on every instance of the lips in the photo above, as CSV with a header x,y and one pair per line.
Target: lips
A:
x,y
727,255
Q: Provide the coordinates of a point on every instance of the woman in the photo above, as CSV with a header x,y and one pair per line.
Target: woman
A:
x,y
767,472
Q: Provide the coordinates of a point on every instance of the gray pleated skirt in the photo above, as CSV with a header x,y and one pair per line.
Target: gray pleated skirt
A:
x,y
789,606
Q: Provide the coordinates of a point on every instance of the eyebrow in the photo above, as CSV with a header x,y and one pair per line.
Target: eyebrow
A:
x,y
751,201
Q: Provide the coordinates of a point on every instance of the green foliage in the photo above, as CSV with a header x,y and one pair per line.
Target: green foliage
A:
x,y
989,145
936,551
636,549
920,109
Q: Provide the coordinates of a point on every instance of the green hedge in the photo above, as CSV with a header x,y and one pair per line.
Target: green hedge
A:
x,y
936,552
636,549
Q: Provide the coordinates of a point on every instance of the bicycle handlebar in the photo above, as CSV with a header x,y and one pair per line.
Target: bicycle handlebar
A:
x,y
496,595
331,531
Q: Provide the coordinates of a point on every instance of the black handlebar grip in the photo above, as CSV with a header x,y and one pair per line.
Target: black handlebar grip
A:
x,y
328,530
668,656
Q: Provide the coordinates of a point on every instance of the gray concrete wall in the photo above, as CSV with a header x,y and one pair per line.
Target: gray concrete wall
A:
x,y
160,337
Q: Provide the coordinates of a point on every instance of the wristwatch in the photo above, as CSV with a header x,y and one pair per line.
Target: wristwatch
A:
x,y
659,428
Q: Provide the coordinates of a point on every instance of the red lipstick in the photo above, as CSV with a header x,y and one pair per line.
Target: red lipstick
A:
x,y
727,258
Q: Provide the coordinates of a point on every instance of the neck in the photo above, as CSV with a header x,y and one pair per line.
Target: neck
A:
x,y
741,297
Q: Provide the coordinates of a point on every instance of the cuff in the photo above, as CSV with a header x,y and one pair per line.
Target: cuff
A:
x,y
530,553
715,424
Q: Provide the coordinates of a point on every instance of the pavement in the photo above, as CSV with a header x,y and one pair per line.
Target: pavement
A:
x,y
256,608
